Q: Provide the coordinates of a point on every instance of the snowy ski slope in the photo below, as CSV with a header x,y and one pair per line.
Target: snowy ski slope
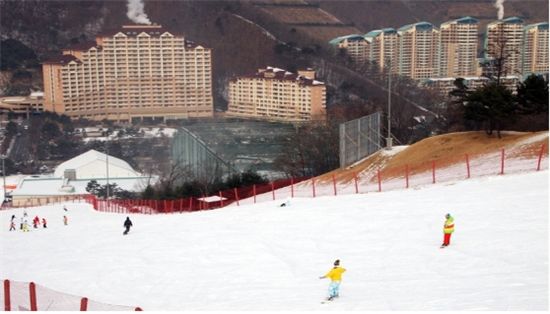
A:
x,y
266,257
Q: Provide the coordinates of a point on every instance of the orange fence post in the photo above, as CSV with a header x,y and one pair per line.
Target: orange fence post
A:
x,y
221,198
254,192
313,185
32,292
292,186
433,171
502,162
7,297
468,166
379,180
407,176
540,156
83,304
356,186
236,196
273,190
334,183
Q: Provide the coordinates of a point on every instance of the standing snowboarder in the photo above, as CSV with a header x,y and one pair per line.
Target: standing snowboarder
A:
x,y
335,276
65,220
44,222
448,229
127,225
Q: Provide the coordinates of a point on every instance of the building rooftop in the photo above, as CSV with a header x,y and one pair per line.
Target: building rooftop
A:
x,y
540,26
420,26
351,37
509,20
273,73
139,29
84,46
61,59
462,20
50,186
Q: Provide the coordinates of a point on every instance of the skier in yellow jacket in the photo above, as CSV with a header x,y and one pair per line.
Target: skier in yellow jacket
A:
x,y
448,229
335,276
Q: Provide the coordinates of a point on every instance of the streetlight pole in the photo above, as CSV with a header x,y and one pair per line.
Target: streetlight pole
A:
x,y
389,139
107,169
4,174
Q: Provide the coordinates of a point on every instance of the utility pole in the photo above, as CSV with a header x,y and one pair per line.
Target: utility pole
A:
x,y
389,139
4,175
107,169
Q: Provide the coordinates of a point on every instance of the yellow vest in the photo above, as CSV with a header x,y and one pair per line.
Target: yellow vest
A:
x,y
335,274
449,225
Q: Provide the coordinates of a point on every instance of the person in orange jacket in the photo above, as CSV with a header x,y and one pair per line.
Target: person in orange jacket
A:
x,y
335,276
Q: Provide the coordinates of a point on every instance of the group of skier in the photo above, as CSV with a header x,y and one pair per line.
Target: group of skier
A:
x,y
335,274
37,222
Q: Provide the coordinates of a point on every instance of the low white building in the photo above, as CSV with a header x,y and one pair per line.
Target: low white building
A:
x,y
70,179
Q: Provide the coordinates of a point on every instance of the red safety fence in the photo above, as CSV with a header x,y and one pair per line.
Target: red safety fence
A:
x,y
25,296
456,168
190,204
374,180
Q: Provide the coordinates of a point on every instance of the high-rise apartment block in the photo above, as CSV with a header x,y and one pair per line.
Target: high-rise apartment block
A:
x,y
383,48
503,43
421,51
534,56
136,72
278,95
418,50
458,51
356,47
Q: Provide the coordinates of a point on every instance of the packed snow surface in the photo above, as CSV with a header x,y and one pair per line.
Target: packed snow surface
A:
x,y
267,257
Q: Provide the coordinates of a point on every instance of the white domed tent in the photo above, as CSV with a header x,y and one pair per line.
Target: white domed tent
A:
x,y
92,164
70,179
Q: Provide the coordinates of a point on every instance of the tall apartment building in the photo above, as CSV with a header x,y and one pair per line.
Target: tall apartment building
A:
x,y
458,48
504,41
418,50
534,56
278,95
383,48
356,47
136,72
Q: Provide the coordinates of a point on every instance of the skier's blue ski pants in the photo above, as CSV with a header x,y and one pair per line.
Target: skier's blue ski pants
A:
x,y
334,288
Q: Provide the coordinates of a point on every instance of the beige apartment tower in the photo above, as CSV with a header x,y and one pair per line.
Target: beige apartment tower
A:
x,y
535,49
504,41
418,51
136,72
458,48
277,95
383,48
356,47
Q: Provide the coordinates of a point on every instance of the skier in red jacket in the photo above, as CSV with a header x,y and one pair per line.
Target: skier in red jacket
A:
x,y
35,222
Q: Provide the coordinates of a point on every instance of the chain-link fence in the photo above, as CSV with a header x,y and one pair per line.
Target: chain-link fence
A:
x,y
359,138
